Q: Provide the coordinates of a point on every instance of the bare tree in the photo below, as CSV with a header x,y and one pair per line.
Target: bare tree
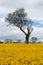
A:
x,y
19,19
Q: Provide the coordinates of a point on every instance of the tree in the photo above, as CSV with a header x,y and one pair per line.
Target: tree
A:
x,y
1,42
34,39
19,40
19,19
8,40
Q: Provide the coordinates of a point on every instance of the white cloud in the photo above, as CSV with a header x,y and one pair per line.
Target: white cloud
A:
x,y
34,7
4,30
37,32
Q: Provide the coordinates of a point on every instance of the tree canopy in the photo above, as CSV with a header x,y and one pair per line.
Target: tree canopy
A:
x,y
19,18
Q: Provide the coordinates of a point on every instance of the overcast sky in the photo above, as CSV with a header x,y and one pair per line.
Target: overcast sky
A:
x,y
34,8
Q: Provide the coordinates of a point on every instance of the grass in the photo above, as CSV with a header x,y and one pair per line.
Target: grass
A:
x,y
21,54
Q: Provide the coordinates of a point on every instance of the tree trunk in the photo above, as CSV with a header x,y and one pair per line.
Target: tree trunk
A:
x,y
26,34
27,38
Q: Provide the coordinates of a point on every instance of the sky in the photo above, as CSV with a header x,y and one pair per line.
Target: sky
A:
x,y
34,9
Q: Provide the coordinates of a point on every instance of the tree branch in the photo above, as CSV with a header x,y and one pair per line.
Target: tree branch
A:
x,y
31,30
22,30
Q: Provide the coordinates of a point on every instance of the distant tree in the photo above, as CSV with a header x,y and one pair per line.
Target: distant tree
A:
x,y
1,42
34,39
19,19
19,40
8,40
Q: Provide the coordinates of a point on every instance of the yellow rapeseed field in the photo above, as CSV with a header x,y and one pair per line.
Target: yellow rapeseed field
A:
x,y
21,54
